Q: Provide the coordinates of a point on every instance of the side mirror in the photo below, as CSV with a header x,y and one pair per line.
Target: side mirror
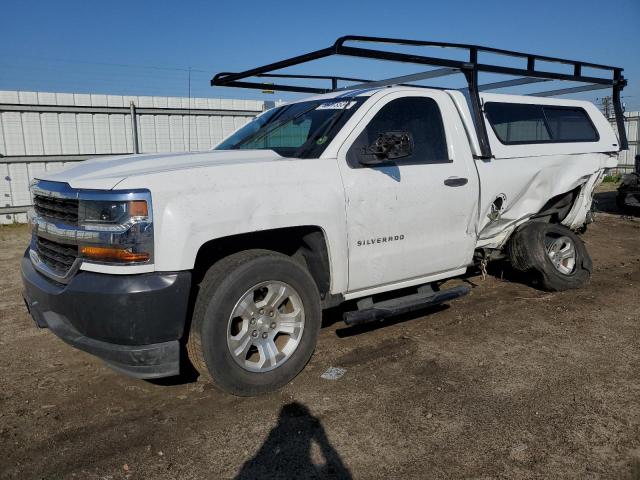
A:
x,y
388,146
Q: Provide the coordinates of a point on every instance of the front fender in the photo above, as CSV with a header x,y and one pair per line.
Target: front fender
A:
x,y
199,205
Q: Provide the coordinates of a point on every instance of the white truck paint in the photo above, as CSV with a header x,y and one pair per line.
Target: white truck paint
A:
x,y
199,197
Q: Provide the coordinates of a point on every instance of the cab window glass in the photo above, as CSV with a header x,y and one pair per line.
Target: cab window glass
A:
x,y
290,135
419,116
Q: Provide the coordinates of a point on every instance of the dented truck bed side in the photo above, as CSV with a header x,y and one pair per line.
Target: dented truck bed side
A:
x,y
520,179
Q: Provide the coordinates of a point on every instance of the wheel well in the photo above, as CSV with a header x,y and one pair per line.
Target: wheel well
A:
x,y
306,244
558,207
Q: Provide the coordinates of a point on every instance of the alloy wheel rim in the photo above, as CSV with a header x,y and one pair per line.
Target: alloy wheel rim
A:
x,y
265,326
562,253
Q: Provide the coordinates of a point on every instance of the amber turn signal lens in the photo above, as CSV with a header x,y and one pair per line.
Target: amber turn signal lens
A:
x,y
138,208
113,254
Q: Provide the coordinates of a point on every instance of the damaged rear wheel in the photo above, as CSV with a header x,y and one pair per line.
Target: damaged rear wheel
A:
x,y
554,256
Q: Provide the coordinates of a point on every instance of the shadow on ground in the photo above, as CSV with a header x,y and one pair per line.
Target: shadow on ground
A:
x,y
287,452
606,202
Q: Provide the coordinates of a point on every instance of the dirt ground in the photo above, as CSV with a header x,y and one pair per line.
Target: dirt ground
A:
x,y
507,382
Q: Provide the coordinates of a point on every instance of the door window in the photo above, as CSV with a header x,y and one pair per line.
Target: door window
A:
x,y
420,117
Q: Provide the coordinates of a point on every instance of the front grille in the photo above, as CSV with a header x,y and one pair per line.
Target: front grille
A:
x,y
57,256
62,209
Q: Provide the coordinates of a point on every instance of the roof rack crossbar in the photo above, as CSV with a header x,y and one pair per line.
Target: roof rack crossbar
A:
x,y
319,77
277,87
565,91
414,77
334,79
530,74
225,77
507,83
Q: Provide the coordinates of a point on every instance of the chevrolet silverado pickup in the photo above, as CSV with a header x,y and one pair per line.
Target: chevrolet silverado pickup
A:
x,y
375,193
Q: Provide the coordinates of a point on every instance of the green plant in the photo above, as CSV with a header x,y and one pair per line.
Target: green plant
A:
x,y
614,178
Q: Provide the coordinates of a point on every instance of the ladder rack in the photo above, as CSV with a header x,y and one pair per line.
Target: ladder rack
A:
x,y
612,76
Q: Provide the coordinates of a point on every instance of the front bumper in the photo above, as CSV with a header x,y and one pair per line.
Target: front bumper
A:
x,y
132,322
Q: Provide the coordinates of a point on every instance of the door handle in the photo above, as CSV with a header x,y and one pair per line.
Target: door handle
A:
x,y
456,181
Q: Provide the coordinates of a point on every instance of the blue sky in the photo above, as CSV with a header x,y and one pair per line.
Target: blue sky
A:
x,y
146,47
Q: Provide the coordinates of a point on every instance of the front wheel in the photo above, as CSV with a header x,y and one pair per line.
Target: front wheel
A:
x,y
552,254
255,322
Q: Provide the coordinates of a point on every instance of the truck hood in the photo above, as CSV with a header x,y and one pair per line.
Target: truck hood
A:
x,y
104,173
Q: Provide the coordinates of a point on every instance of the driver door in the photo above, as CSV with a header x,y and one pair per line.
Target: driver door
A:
x,y
414,218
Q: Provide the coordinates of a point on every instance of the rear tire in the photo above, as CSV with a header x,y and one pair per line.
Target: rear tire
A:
x,y
554,256
255,322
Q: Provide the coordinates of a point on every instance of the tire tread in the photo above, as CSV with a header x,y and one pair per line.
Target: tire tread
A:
x,y
526,251
214,277
221,276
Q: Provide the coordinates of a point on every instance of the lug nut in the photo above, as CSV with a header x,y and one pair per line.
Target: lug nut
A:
x,y
273,324
264,335
271,314
261,311
253,321
254,333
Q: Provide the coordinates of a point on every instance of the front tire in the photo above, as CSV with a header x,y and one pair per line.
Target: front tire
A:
x,y
554,256
255,322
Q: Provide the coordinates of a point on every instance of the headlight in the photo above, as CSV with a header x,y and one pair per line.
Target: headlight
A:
x,y
121,231
114,213
110,227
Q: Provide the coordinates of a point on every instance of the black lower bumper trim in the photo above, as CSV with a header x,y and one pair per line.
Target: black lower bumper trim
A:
x,y
132,322
142,361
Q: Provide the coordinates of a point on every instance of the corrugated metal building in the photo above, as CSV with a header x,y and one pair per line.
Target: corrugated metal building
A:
x,y
626,159
41,131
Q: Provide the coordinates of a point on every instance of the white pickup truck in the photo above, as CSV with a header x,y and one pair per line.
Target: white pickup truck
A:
x,y
228,257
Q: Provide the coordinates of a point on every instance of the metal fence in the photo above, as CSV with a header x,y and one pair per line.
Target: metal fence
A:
x,y
45,131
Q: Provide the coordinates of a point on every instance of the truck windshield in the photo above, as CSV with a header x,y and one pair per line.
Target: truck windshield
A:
x,y
301,130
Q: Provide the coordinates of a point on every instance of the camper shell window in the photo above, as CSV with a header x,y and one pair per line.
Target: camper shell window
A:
x,y
519,123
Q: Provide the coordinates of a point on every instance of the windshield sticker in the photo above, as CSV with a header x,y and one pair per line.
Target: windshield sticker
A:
x,y
336,105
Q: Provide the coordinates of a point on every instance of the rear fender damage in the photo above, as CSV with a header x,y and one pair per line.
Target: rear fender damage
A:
x,y
496,234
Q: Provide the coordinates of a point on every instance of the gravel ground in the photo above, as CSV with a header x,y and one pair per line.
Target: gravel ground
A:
x,y
508,382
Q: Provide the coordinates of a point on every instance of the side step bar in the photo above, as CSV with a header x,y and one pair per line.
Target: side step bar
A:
x,y
368,311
